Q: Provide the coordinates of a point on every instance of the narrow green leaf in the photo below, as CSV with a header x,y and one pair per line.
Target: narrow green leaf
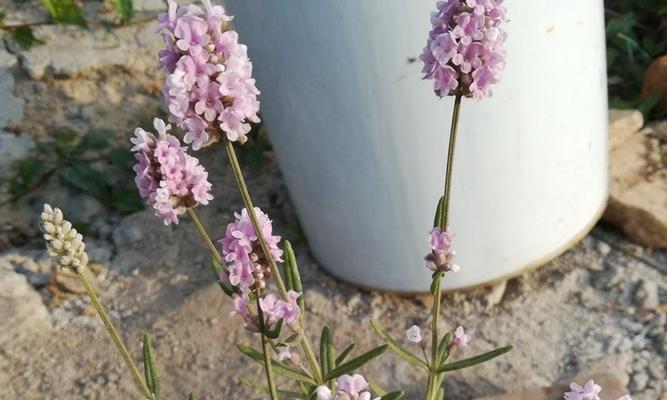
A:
x,y
439,212
356,362
290,262
435,284
375,388
469,362
124,8
398,349
344,354
442,348
278,367
24,37
150,368
192,396
65,11
441,393
217,268
275,332
393,395
327,351
264,389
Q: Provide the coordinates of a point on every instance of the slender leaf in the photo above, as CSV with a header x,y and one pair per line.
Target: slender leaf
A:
x,y
345,353
393,395
124,8
192,396
439,212
290,262
327,351
150,368
356,362
217,269
398,349
24,37
65,11
469,362
275,332
435,284
443,353
375,388
278,367
264,389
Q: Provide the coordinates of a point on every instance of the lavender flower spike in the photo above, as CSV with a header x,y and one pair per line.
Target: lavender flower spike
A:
x,y
441,257
169,179
63,241
589,391
209,88
464,54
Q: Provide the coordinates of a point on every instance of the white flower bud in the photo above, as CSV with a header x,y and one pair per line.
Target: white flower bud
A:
x,y
63,241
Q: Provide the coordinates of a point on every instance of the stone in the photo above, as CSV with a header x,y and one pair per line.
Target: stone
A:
x,y
95,49
22,311
622,125
612,388
638,185
12,148
647,295
638,381
655,81
65,282
35,265
11,107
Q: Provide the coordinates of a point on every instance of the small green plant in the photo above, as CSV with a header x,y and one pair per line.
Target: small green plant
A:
x,y
636,35
63,12
89,164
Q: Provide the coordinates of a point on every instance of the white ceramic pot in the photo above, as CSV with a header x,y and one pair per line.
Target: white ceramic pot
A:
x,y
361,139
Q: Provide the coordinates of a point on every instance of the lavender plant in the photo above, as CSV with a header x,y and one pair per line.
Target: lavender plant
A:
x,y
589,391
212,97
463,57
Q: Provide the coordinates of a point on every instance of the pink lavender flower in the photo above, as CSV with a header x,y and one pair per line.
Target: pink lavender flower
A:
x,y
441,257
464,53
284,353
589,391
241,248
414,334
209,88
348,387
460,339
169,179
275,309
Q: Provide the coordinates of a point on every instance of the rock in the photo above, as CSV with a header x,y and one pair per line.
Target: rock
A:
x,y
11,107
622,125
12,148
647,295
21,309
495,295
35,265
638,186
638,382
655,81
612,388
95,49
65,282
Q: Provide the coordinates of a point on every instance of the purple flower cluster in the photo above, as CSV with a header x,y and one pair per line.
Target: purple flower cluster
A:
x,y
242,250
589,391
273,310
169,179
464,53
348,387
441,257
209,88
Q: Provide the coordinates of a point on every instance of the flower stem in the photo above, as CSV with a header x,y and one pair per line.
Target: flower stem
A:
x,y
434,380
211,247
450,161
114,334
243,188
266,352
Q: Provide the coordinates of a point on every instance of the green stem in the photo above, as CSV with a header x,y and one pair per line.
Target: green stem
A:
x,y
434,381
243,188
266,352
114,334
450,160
211,247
